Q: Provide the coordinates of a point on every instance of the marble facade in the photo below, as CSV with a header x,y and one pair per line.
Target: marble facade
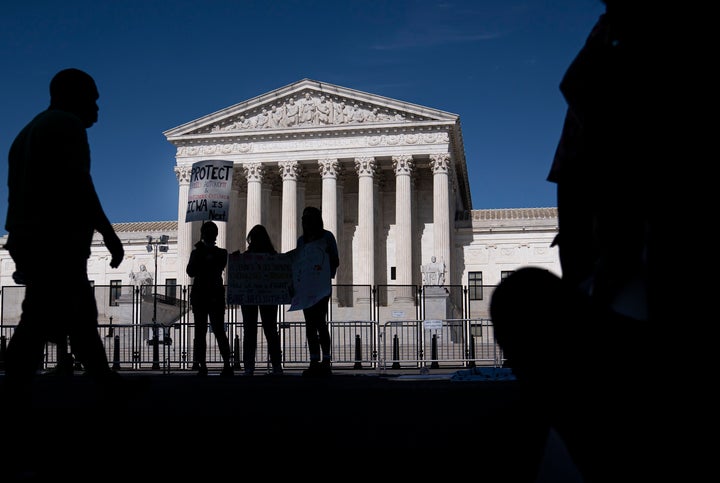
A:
x,y
390,177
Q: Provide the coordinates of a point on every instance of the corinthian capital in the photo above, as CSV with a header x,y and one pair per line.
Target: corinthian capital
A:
x,y
365,166
403,164
289,170
329,168
440,163
254,171
182,173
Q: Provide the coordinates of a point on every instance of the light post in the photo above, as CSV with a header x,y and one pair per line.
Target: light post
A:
x,y
155,245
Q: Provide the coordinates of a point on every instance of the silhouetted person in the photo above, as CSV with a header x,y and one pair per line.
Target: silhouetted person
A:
x,y
259,242
586,344
49,167
207,298
316,327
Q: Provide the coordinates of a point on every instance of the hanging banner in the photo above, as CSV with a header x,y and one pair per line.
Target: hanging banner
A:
x,y
210,188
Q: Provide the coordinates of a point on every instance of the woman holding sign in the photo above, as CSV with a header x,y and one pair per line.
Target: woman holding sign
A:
x,y
259,242
316,328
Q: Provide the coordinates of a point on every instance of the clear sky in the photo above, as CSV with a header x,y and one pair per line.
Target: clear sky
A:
x,y
160,64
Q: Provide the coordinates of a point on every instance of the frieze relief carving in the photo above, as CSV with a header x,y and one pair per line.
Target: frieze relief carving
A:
x,y
310,108
348,142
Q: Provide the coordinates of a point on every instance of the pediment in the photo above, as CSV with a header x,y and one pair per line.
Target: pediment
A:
x,y
310,105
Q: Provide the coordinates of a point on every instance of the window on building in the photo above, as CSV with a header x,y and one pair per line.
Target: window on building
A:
x,y
505,274
171,287
115,292
393,273
475,285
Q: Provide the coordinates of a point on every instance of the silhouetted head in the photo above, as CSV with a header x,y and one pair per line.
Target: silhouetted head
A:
x,y
209,232
73,90
529,322
312,222
259,240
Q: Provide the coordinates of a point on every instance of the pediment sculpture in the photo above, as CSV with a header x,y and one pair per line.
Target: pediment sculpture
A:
x,y
310,109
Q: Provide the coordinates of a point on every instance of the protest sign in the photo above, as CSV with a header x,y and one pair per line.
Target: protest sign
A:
x,y
259,278
209,193
311,274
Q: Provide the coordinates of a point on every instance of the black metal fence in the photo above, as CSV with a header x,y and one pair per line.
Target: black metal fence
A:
x,y
404,327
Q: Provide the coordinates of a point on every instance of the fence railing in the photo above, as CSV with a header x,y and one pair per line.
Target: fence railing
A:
x,y
156,331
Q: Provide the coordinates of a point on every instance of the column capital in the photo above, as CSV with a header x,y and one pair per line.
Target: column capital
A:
x,y
365,166
329,167
182,173
440,163
254,171
403,164
289,170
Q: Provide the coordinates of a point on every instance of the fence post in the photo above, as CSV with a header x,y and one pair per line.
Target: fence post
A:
x,y
358,352
155,345
434,353
472,351
396,352
116,353
236,352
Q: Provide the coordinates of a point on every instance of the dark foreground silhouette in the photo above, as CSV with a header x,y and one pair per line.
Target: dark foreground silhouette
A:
x,y
364,425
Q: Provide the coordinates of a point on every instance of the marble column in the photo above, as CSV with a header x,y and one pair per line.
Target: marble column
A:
x,y
222,234
329,169
301,187
344,272
403,166
365,168
242,212
289,173
440,165
340,185
184,233
234,240
254,175
265,204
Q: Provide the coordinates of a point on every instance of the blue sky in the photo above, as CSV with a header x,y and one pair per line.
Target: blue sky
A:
x,y
160,64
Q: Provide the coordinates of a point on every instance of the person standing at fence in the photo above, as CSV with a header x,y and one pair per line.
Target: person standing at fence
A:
x,y
259,242
316,327
207,297
48,167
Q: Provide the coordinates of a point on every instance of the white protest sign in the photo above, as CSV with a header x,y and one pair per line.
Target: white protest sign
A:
x,y
311,274
209,193
259,278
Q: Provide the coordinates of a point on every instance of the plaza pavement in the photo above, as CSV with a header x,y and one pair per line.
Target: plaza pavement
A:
x,y
357,425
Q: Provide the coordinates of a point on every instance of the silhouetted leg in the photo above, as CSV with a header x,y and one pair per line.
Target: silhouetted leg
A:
x,y
323,330
217,320
23,357
318,338
85,339
268,314
311,332
201,327
250,316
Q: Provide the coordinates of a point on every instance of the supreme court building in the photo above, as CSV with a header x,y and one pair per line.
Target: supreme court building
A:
x,y
389,176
